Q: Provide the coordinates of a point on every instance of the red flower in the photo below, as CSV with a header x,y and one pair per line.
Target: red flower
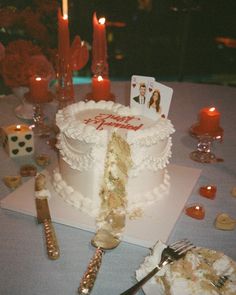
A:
x,y
22,60
33,25
23,48
14,71
38,65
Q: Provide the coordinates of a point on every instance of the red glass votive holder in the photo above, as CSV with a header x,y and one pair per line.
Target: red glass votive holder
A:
x,y
208,191
209,120
208,124
101,88
195,211
38,91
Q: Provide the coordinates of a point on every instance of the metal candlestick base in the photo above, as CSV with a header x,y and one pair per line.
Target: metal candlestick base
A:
x,y
40,128
203,154
202,157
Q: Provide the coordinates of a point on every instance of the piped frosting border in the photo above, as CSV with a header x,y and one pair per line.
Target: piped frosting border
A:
x,y
78,200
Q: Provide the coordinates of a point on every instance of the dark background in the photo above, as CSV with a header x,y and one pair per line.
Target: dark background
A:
x,y
173,40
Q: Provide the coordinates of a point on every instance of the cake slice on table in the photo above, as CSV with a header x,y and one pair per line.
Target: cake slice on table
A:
x,y
192,274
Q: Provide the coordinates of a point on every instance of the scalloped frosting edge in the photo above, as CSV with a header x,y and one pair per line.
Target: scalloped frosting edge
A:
x,y
73,129
79,201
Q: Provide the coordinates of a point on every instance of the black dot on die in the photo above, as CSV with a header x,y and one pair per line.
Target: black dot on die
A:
x,y
21,143
28,136
14,138
29,149
15,151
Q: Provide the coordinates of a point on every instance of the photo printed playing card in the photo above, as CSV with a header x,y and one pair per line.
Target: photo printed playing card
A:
x,y
151,98
140,91
159,102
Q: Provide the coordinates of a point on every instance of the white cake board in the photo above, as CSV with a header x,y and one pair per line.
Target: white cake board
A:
x,y
156,223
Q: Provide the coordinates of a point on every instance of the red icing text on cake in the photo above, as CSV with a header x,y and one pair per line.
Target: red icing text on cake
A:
x,y
116,121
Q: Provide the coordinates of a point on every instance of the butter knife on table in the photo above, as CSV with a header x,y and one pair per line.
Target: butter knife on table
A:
x,y
43,216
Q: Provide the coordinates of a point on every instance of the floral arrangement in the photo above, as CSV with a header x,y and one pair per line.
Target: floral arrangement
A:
x,y
37,22
23,60
29,42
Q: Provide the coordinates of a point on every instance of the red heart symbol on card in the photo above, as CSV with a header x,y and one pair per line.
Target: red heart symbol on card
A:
x,y
134,84
79,54
150,89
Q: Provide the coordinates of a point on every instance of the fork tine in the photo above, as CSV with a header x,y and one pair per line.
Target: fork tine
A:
x,y
220,282
187,248
175,244
183,245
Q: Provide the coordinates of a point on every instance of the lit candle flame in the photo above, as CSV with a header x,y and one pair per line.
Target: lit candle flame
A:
x,y
102,20
38,78
212,109
197,208
209,187
65,9
18,127
100,78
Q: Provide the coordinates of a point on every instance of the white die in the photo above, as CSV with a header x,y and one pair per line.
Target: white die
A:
x,y
18,140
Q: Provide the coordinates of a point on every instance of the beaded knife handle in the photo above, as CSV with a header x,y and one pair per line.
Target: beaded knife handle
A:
x,y
89,277
51,240
44,217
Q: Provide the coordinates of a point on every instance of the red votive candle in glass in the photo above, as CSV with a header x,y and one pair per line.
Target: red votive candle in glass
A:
x,y
38,87
209,120
101,88
195,211
208,191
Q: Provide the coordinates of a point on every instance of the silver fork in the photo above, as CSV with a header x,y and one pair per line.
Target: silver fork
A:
x,y
220,282
170,254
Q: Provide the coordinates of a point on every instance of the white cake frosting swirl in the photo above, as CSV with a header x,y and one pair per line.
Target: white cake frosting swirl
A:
x,y
85,129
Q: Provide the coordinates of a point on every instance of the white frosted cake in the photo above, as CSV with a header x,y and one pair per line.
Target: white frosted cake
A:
x,y
85,130
191,275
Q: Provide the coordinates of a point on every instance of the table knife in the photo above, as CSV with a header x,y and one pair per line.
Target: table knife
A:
x,y
43,216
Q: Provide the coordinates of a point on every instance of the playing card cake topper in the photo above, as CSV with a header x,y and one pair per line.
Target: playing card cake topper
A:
x,y
150,97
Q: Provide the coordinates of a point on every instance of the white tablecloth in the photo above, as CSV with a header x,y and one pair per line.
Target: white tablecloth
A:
x,y
25,269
